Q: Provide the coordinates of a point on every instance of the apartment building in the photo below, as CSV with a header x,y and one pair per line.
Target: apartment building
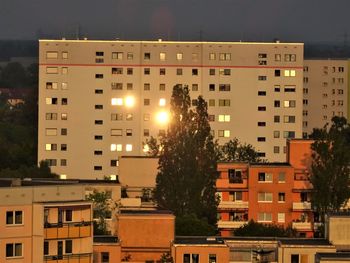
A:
x,y
48,224
99,100
325,92
278,193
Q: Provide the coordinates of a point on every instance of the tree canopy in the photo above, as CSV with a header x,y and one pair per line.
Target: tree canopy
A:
x,y
235,151
254,229
187,173
330,166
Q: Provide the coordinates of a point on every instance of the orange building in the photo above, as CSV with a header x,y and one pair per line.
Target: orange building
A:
x,y
276,193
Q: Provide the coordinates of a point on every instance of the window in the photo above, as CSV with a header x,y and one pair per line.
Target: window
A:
x,y
277,57
129,71
212,71
162,71
224,133
51,54
289,103
63,162
51,101
51,147
225,71
116,86
64,101
46,248
52,70
146,102
224,103
276,119
14,218
225,56
162,102
261,139
179,56
194,87
146,86
261,93
290,57
179,71
146,117
276,149
235,176
212,258
288,134
147,71
68,246
129,56
211,117
63,147
51,162
99,76
98,91
211,102
146,132
64,131
265,177
129,86
294,258
264,197
50,131
162,56
99,53
104,257
51,85
116,132
277,88
224,87
194,56
117,55
114,163
264,217
262,78
187,258
288,119
147,56
14,250
162,87
98,137
129,117
68,215
277,103
224,118
289,73
281,217
211,87
98,107
195,258
236,196
128,147
261,124
194,72
261,108
117,71
281,197
116,147
117,101
276,134
128,132
305,102
98,152
116,116
64,70
277,72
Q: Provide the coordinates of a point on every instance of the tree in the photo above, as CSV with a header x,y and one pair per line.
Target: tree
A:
x,y
187,172
330,167
254,229
102,208
166,258
235,151
191,225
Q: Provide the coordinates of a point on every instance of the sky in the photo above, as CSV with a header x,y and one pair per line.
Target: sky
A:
x,y
215,20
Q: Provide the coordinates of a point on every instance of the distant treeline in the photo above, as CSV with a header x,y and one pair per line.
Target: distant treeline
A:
x,y
18,48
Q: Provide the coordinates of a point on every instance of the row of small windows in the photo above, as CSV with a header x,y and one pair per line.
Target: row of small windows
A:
x,y
55,55
53,116
53,147
54,101
53,162
54,131
54,85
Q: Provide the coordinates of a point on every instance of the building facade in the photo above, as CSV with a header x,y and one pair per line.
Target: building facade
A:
x,y
99,100
325,92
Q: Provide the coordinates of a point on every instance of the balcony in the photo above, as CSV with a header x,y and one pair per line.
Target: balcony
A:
x,y
226,184
73,258
301,206
233,205
302,225
68,230
231,224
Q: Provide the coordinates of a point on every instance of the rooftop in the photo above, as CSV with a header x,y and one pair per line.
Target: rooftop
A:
x,y
339,256
106,239
305,241
181,240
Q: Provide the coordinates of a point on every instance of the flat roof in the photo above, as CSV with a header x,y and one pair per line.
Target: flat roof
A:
x,y
305,241
170,42
199,240
341,256
106,239
145,212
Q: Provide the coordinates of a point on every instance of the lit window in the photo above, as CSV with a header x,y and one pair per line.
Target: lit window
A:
x,y
113,147
265,177
128,147
64,86
117,101
264,217
162,117
117,55
52,70
50,147
224,133
51,54
224,118
162,102
162,56
129,101
179,56
65,55
289,73
51,85
281,217
212,56
264,197
145,148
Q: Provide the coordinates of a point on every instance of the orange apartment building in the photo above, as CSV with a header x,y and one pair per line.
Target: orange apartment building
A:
x,y
276,193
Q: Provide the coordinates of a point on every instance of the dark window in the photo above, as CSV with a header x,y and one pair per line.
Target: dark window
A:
x,y
146,71
98,137
187,258
277,103
64,131
261,108
276,118
147,56
261,123
194,72
195,258
99,76
212,258
97,152
224,87
129,71
104,257
98,107
69,215
211,87
69,247
98,122
98,91
261,93
46,248
294,258
277,73
261,139
99,53
235,176
98,168
114,163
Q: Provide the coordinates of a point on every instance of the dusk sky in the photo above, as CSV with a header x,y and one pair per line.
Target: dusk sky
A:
x,y
260,20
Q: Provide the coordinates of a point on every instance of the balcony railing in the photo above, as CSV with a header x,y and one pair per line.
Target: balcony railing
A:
x,y
301,206
233,205
68,230
231,224
302,225
73,258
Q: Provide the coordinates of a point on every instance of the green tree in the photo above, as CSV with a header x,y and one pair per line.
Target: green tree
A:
x,y
330,167
191,225
166,258
187,172
103,208
235,151
255,229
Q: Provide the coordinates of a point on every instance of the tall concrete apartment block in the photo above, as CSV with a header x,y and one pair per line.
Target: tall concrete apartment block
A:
x,y
325,92
102,99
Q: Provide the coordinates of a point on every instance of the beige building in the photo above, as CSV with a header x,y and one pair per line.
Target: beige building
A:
x,y
325,92
99,100
45,224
